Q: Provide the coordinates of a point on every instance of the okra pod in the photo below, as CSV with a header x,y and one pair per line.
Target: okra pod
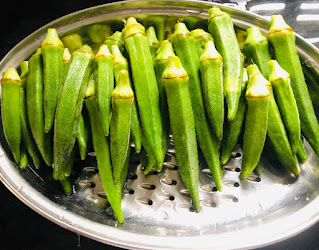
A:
x,y
52,50
221,27
66,62
23,156
282,38
35,107
256,49
159,22
211,69
122,99
98,32
185,47
257,98
120,63
115,38
175,81
83,136
152,40
201,37
241,37
69,107
72,42
66,185
104,85
280,81
301,153
233,128
10,110
145,85
102,151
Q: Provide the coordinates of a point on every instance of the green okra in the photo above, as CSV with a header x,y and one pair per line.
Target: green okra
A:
x,y
66,62
52,50
276,130
98,32
185,48
72,41
211,69
301,152
101,146
152,40
104,84
257,99
159,22
120,63
201,37
83,136
35,107
122,99
233,128
257,170
241,37
115,38
280,81
24,68
10,110
256,49
145,85
221,27
282,37
23,156
175,81
69,165
66,185
69,107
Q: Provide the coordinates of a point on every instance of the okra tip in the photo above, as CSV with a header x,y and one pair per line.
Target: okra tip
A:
x,y
180,30
215,12
165,50
118,56
252,70
210,52
174,69
151,36
123,89
257,87
276,71
132,27
90,91
85,49
103,52
66,55
254,36
11,75
278,24
24,68
52,39
197,33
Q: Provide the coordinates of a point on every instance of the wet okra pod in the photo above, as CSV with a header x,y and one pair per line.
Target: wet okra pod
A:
x,y
211,68
282,37
69,107
201,37
152,40
98,32
122,99
66,62
175,81
115,38
120,63
102,150
301,152
27,137
241,37
185,48
280,81
221,27
257,99
145,86
35,107
104,85
256,50
83,134
52,50
72,41
233,128
10,110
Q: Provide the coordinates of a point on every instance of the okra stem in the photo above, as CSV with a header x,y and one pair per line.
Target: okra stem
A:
x,y
152,40
201,37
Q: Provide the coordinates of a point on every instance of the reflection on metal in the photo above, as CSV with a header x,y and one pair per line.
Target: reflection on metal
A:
x,y
268,6
313,40
308,18
309,6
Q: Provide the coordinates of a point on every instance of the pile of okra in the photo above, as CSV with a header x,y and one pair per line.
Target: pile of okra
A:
x,y
211,90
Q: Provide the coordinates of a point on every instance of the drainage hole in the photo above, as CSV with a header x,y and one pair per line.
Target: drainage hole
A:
x,y
258,179
236,184
133,177
172,198
191,209
214,189
131,191
174,182
150,202
238,155
153,187
237,170
213,204
155,172
235,199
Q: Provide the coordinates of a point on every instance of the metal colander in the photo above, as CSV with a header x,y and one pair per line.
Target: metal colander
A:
x,y
157,208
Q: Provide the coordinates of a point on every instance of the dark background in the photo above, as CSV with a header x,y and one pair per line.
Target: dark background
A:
x,y
21,227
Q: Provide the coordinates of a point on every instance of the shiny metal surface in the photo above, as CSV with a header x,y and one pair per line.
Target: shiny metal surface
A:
x,y
157,209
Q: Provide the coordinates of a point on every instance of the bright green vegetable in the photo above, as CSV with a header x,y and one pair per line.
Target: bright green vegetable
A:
x,y
115,38
104,84
221,27
152,40
70,106
23,156
35,107
120,63
257,98
256,50
72,42
52,50
10,109
241,37
301,153
145,85
201,37
211,68
185,48
83,134
175,81
122,99
285,99
66,62
98,32
233,128
282,38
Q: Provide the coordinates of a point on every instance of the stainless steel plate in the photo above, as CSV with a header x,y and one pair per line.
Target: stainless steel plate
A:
x,y
158,214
